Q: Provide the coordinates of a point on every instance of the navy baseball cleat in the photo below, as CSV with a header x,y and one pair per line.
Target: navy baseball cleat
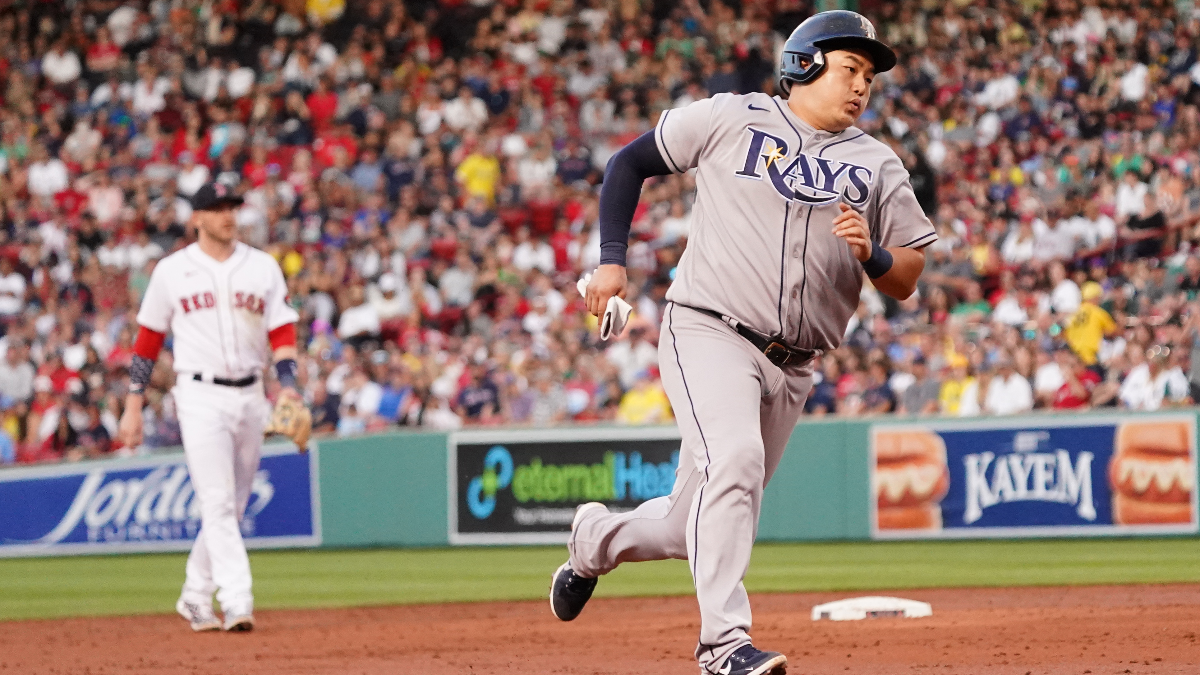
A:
x,y
750,661
569,592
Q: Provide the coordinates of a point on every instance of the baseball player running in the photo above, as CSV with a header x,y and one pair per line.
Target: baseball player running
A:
x,y
794,204
224,302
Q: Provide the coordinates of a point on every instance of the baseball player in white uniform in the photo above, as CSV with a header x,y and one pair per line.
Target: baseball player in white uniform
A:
x,y
225,303
794,205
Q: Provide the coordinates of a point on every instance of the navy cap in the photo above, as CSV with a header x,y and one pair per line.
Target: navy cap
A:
x,y
214,196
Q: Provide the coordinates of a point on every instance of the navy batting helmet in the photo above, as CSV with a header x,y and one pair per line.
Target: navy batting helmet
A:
x,y
804,52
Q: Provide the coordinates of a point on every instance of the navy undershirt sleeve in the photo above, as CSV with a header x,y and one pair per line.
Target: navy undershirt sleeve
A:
x,y
620,192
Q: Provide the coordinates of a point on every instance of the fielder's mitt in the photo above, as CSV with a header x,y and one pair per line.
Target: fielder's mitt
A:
x,y
291,418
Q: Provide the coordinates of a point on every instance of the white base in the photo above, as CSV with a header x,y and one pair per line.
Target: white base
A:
x,y
871,607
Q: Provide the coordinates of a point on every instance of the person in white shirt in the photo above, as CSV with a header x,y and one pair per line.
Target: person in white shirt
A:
x,y
47,175
1065,296
192,175
360,319
1018,245
466,112
239,80
530,254
12,289
1151,384
120,23
1009,392
1094,230
1001,90
149,92
1131,194
1053,243
1048,378
386,298
537,169
1133,80
632,355
61,65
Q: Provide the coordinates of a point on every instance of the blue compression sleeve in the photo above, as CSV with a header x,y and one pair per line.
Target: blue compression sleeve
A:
x,y
622,188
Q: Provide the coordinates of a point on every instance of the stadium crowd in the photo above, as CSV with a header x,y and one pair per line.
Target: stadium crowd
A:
x,y
427,174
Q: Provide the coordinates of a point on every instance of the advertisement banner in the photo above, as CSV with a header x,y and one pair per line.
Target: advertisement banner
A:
x,y
118,506
1084,476
522,487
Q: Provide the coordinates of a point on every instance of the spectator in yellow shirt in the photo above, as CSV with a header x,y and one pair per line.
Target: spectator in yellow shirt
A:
x,y
646,402
321,12
478,173
959,396
1089,324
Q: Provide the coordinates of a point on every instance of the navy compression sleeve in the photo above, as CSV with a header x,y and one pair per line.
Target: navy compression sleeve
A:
x,y
622,188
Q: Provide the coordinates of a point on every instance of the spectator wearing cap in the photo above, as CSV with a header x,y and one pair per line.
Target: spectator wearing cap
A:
x,y
1089,325
958,396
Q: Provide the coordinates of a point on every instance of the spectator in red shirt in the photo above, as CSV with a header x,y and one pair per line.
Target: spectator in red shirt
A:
x,y
1078,382
322,106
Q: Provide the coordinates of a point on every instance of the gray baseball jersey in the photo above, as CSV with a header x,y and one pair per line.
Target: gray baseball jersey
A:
x,y
761,247
761,250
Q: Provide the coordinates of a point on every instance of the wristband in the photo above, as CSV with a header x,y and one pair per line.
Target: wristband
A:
x,y
140,369
879,263
285,371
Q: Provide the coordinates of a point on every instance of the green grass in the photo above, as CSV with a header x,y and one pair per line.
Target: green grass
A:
x,y
105,585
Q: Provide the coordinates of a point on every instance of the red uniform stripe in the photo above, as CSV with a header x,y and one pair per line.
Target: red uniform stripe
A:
x,y
149,343
284,336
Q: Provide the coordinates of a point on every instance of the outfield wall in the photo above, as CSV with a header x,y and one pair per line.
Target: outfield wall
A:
x,y
886,478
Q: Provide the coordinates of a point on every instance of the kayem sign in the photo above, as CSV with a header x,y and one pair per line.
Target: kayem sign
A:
x,y
1111,475
513,487
149,505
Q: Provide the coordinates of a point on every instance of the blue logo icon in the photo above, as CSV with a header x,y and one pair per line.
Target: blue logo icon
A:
x,y
497,475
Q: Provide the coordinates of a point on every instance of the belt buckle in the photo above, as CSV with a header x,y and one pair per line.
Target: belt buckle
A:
x,y
777,354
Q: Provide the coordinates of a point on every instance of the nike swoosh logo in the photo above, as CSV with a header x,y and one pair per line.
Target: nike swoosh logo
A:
x,y
729,666
753,107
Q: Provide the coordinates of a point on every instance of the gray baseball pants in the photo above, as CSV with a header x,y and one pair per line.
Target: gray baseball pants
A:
x,y
736,411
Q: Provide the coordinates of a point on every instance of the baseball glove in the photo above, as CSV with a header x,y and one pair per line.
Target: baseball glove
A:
x,y
291,418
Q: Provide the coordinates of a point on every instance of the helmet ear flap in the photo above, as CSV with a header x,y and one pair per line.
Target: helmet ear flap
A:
x,y
806,68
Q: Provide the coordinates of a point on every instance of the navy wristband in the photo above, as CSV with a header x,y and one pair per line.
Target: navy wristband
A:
x,y
285,371
879,263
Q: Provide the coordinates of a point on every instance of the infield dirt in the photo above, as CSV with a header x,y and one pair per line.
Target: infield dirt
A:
x,y
1029,630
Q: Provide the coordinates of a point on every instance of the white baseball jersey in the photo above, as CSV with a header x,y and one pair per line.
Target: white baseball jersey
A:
x,y
219,312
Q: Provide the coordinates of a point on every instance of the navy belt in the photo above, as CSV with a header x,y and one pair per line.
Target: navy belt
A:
x,y
225,382
776,352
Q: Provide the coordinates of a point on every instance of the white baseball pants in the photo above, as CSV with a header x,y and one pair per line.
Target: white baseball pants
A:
x,y
736,411
222,429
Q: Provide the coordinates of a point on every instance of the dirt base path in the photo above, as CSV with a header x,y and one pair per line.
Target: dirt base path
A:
x,y
1077,630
